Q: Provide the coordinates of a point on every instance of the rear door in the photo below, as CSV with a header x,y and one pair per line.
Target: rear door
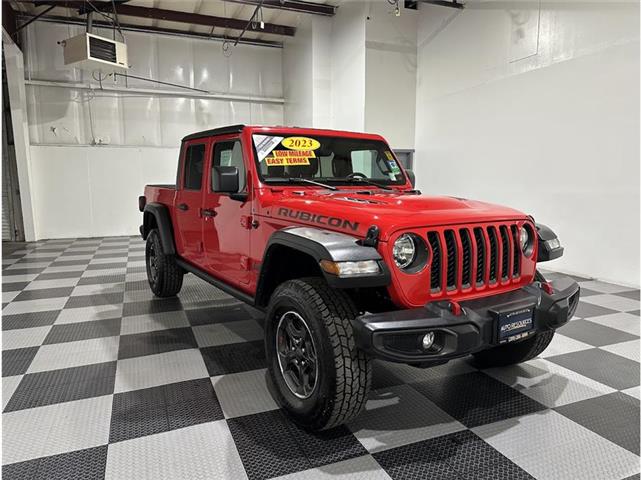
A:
x,y
189,199
227,223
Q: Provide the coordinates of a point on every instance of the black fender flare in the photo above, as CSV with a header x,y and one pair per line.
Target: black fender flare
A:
x,y
320,244
546,252
160,213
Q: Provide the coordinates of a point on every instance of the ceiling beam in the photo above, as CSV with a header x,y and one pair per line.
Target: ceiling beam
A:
x,y
176,16
446,3
160,31
9,21
300,6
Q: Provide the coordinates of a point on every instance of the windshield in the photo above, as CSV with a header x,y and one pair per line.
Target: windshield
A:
x,y
331,160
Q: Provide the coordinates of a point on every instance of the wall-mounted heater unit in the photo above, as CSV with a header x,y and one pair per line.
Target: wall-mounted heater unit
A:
x,y
91,52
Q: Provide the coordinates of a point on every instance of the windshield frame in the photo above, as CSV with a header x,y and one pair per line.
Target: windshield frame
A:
x,y
333,181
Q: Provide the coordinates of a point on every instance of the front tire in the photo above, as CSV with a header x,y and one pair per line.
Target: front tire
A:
x,y
513,353
328,386
165,276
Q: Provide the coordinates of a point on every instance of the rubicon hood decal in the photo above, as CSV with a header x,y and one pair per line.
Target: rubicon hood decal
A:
x,y
335,222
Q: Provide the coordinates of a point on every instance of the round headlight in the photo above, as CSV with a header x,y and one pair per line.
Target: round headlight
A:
x,y
524,238
404,251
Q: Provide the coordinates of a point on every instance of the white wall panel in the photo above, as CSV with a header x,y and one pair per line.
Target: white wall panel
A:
x,y
93,191
555,134
140,119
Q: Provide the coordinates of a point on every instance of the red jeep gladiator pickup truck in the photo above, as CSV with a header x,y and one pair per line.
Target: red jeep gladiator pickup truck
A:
x,y
324,231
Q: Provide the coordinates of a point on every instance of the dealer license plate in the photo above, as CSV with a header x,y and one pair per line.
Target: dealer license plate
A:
x,y
515,324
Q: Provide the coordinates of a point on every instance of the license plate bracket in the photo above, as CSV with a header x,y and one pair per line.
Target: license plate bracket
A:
x,y
514,323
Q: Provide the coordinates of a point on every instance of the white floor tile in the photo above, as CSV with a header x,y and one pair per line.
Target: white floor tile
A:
x,y
98,289
633,392
53,429
24,337
621,321
550,446
625,349
603,287
561,344
398,416
243,393
75,354
87,314
59,282
32,306
153,321
549,383
613,301
24,277
205,451
9,296
152,370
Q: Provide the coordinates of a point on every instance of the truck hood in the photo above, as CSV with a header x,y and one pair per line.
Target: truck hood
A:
x,y
390,211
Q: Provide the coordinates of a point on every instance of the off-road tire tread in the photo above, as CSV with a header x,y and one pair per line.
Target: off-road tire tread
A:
x,y
171,278
353,367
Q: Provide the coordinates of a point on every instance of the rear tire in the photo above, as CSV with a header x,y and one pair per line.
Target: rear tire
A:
x,y
163,273
341,374
513,353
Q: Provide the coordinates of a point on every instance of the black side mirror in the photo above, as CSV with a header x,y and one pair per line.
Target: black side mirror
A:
x,y
411,176
225,179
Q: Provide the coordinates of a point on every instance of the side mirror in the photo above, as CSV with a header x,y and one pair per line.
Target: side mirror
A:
x,y
225,179
411,176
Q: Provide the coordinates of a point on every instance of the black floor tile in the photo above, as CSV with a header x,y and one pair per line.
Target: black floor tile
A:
x,y
594,333
234,358
106,266
586,292
612,370
270,445
72,332
60,275
87,464
614,416
110,255
43,293
456,456
95,300
63,385
634,312
136,286
29,320
476,399
118,278
160,409
632,294
587,310
152,306
207,316
24,271
27,261
140,269
17,361
14,286
159,341
71,263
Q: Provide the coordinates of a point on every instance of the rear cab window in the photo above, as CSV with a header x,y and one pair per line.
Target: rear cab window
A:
x,y
194,165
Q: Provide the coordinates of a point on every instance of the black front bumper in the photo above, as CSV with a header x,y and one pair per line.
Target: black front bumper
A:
x,y
396,335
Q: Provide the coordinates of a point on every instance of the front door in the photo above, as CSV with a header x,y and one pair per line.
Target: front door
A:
x,y
189,199
226,220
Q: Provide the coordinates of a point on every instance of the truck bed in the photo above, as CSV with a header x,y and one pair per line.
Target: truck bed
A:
x,y
161,193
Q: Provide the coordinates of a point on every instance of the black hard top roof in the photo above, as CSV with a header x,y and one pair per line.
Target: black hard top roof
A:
x,y
215,131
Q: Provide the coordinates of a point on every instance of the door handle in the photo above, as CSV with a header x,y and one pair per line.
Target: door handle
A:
x,y
207,212
182,206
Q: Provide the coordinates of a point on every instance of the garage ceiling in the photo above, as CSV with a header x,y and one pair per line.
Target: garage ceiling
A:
x,y
218,18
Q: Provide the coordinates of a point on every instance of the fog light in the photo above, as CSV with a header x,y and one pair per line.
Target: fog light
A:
x,y
428,340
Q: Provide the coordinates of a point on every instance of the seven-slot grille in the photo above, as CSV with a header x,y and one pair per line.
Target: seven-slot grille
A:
x,y
479,256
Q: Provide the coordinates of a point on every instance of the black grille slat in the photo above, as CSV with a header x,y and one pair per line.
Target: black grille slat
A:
x,y
435,276
452,259
516,268
102,49
480,255
505,253
466,243
494,252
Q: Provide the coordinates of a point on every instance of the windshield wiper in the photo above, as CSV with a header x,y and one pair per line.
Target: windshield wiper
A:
x,y
298,180
365,181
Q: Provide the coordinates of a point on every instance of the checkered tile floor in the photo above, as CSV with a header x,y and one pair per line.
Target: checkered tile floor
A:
x,y
102,380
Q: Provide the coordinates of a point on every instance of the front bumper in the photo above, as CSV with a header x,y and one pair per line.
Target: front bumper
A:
x,y
396,336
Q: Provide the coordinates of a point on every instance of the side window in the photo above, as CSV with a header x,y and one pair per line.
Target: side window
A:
x,y
230,154
194,163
